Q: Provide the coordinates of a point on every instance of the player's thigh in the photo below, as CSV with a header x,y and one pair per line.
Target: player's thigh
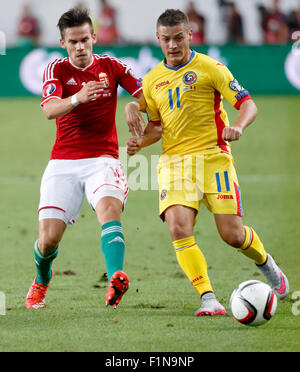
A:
x,y
61,192
176,189
222,190
106,179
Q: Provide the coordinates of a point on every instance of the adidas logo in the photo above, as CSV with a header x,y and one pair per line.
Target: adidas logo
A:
x,y
71,82
116,239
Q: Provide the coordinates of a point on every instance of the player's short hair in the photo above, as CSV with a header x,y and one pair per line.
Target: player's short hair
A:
x,y
172,17
73,18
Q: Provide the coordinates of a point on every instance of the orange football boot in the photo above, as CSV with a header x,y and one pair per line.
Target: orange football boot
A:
x,y
36,295
118,285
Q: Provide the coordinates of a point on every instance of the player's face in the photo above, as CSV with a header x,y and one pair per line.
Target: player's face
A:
x,y
175,43
79,43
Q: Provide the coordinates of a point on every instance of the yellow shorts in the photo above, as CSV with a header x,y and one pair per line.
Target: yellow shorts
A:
x,y
193,179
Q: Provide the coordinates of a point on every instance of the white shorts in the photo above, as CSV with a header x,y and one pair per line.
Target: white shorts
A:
x,y
65,182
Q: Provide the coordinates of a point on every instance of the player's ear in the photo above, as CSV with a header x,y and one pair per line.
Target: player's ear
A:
x,y
157,36
190,34
94,38
62,43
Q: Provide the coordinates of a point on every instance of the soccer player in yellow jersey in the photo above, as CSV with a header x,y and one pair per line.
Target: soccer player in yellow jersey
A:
x,y
184,104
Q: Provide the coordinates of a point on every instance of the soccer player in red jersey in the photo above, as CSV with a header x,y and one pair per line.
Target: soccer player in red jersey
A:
x,y
80,92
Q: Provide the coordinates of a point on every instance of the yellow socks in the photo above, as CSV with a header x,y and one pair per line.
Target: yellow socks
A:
x,y
193,263
253,247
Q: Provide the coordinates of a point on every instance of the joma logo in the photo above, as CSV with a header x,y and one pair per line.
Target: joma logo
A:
x,y
162,84
220,196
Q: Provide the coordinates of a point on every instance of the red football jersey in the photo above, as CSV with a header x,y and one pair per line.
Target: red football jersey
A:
x,y
89,130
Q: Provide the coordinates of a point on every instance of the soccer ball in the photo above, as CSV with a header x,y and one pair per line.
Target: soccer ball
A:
x,y
253,303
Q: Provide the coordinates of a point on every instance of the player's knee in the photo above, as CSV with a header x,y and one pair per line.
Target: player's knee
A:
x,y
48,242
108,209
179,231
234,238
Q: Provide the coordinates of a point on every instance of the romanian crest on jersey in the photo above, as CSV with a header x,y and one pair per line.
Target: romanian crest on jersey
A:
x,y
189,78
163,194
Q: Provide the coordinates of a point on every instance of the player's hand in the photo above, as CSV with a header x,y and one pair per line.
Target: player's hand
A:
x,y
90,92
232,133
133,145
134,119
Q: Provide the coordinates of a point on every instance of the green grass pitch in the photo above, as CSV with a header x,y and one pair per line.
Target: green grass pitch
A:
x,y
156,314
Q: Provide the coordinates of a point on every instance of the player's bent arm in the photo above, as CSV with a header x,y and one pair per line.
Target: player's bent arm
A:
x,y
246,116
151,135
56,108
133,115
141,102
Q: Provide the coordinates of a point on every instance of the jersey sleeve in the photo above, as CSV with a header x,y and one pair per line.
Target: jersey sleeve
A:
x,y
228,86
52,86
126,78
152,111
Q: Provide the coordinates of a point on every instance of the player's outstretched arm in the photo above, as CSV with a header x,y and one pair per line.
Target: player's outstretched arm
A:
x,y
134,119
151,135
247,114
56,108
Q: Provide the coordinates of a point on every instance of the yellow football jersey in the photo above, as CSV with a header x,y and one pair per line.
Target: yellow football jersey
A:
x,y
187,100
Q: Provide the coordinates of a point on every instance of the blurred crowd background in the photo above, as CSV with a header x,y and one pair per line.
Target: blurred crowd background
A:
x,y
257,39
120,22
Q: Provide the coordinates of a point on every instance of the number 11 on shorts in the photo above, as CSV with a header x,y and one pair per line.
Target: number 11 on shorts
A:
x,y
227,185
